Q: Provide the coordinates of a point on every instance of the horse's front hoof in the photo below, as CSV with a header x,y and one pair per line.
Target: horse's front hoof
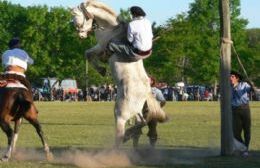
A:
x,y
49,156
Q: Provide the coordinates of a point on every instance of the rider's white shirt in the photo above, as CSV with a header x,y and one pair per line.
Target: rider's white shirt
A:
x,y
17,57
140,33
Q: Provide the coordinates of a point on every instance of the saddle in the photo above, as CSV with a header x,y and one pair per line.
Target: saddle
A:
x,y
4,83
17,80
13,78
10,83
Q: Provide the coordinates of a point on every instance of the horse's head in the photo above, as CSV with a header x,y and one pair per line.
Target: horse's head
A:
x,y
85,13
82,23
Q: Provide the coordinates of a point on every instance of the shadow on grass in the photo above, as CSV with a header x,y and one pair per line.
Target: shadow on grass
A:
x,y
68,124
194,157
177,157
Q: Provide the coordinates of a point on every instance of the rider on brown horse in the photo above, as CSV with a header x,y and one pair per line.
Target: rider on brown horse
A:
x,y
15,62
16,100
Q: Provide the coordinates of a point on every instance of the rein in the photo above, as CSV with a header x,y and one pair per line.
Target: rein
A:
x,y
85,11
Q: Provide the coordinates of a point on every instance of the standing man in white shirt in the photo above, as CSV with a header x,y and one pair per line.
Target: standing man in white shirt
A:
x,y
15,62
139,36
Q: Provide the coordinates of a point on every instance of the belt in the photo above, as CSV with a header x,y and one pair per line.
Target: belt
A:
x,y
142,53
242,106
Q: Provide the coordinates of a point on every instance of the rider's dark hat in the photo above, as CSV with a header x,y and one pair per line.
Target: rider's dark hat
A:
x,y
13,42
137,11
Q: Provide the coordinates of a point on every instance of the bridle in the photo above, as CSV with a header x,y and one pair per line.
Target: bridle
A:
x,y
88,15
85,11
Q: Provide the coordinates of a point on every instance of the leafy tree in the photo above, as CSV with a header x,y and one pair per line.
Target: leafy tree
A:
x,y
253,53
188,48
124,15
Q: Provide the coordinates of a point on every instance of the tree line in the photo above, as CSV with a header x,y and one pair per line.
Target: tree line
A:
x,y
187,48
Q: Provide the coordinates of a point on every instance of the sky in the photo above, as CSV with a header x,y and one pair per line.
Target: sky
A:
x,y
158,11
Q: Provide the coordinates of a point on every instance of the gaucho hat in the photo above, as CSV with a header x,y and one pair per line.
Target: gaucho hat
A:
x,y
137,11
13,42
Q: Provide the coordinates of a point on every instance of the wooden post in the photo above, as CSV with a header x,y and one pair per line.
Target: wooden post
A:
x,y
225,89
87,82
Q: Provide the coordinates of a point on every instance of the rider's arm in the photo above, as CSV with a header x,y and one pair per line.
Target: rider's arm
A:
x,y
130,35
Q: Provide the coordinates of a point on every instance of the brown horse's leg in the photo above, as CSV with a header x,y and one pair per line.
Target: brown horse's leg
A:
x,y
31,116
9,133
15,135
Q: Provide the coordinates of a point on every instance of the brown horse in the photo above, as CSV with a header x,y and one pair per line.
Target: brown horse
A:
x,y
17,103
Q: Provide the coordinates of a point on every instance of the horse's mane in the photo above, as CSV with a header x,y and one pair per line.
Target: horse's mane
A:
x,y
101,5
100,10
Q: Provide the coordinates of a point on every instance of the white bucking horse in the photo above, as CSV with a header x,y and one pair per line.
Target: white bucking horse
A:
x,y
133,88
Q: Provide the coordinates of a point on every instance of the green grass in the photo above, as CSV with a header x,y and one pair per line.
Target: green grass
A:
x,y
83,132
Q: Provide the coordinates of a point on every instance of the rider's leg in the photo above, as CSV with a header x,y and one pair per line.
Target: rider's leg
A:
x,y
123,49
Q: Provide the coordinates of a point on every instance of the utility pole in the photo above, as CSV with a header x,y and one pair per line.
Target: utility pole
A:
x,y
225,89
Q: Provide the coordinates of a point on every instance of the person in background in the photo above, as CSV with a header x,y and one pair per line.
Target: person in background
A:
x,y
152,133
15,62
139,120
240,109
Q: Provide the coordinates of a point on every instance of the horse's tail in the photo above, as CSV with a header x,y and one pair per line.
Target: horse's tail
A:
x,y
22,102
154,110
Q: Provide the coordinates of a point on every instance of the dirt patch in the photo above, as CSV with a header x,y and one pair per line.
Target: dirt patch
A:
x,y
100,158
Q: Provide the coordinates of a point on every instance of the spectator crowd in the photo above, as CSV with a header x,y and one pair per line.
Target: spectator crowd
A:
x,y
108,92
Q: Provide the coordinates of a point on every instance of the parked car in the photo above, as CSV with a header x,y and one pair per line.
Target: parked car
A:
x,y
70,89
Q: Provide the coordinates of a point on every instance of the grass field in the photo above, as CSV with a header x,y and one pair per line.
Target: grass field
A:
x,y
81,134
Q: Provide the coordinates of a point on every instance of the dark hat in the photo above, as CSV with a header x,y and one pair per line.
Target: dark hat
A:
x,y
137,11
238,75
13,42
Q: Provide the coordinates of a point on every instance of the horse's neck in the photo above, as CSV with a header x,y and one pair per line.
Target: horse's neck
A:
x,y
103,36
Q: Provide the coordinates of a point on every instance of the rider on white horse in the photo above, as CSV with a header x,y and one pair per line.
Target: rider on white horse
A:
x,y
139,36
133,89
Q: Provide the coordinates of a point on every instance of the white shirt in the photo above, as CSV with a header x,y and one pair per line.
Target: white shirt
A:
x,y
157,93
17,57
140,33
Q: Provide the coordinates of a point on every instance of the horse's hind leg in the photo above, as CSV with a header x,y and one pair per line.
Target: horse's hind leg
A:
x,y
15,135
9,133
31,117
13,140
